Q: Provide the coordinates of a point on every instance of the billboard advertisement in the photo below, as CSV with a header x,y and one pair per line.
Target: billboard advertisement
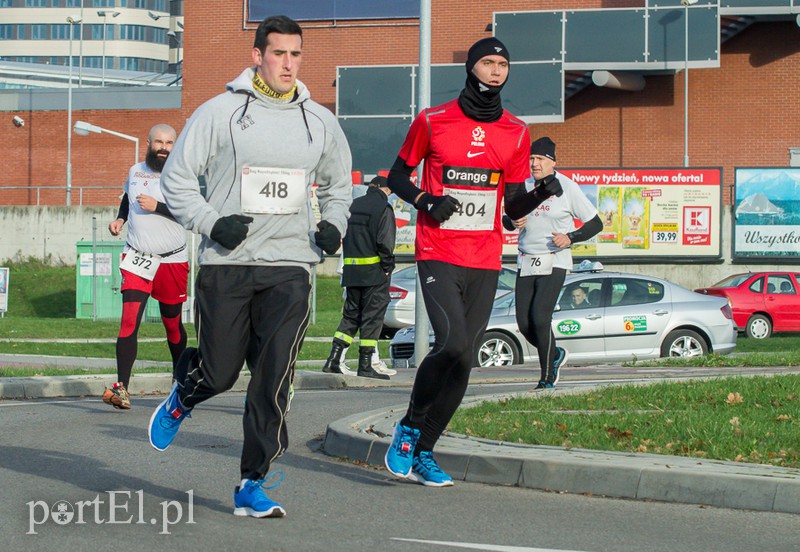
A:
x,y
766,224
650,215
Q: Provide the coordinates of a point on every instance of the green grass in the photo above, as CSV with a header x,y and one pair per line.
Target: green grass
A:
x,y
15,372
39,290
157,351
778,358
42,306
778,342
741,419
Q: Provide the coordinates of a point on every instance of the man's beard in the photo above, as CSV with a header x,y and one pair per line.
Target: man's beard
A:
x,y
154,161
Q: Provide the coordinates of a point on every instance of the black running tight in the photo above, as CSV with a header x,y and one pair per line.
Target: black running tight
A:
x,y
458,301
535,300
133,306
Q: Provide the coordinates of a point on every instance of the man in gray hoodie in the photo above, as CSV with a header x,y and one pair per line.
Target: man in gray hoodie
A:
x,y
259,146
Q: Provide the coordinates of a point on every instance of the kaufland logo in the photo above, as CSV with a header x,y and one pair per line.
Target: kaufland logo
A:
x,y
697,219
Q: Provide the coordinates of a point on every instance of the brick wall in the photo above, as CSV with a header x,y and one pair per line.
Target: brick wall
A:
x,y
741,114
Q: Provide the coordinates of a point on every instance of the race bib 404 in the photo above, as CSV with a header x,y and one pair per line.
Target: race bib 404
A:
x,y
476,212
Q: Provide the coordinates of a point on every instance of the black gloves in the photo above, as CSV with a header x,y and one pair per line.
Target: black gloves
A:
x,y
508,224
230,231
548,186
440,208
327,237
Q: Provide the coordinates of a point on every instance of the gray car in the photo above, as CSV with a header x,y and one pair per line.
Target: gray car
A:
x,y
625,317
402,295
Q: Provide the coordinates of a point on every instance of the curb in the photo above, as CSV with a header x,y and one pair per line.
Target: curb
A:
x,y
83,385
366,437
93,385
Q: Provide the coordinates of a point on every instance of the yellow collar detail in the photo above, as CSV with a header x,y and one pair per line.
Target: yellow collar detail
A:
x,y
262,87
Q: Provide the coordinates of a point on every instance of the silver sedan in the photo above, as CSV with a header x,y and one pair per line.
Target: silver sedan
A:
x,y
606,317
402,295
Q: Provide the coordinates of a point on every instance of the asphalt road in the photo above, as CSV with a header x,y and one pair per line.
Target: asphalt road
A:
x,y
81,451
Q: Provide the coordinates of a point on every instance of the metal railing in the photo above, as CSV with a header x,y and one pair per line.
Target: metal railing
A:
x,y
57,195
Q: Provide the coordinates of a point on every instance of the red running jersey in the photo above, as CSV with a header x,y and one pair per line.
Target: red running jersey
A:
x,y
470,160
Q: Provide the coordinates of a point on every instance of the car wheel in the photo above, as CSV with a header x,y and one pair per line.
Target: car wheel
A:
x,y
497,349
759,327
683,343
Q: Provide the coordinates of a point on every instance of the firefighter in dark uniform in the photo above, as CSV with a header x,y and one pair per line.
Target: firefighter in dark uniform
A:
x,y
368,262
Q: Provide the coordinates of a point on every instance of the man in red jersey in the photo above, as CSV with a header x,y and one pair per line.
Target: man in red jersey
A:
x,y
475,154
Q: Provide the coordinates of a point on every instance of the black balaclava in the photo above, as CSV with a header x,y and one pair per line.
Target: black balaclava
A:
x,y
481,101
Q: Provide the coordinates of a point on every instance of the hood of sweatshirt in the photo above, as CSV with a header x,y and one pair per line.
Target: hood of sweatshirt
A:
x,y
244,84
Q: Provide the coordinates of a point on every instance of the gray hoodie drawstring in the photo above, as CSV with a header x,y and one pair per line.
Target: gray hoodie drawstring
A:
x,y
308,130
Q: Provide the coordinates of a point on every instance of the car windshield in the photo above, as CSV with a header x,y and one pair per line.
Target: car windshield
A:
x,y
732,281
408,273
504,301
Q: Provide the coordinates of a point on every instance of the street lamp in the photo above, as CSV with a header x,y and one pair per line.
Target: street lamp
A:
x,y
83,129
72,20
80,49
104,14
686,4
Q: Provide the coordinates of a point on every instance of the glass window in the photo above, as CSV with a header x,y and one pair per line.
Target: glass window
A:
x,y
732,281
780,283
5,32
504,302
38,32
582,294
507,280
633,291
59,32
757,286
340,9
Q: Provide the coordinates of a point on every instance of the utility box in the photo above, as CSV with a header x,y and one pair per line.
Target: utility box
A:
x,y
97,282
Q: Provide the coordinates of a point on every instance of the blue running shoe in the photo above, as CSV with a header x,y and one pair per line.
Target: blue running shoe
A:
x,y
251,500
166,420
561,358
426,471
400,455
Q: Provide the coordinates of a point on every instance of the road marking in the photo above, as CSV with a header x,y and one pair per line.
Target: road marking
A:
x,y
15,402
493,547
